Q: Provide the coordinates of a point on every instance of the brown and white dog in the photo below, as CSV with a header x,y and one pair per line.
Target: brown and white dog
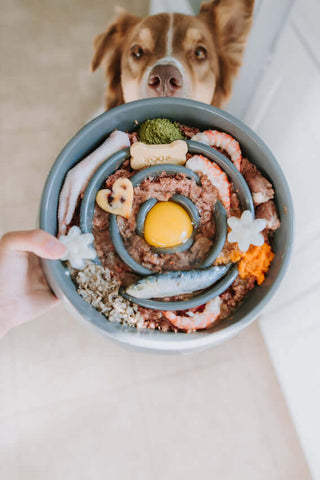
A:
x,y
174,55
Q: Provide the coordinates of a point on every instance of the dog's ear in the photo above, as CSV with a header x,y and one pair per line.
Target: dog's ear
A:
x,y
229,22
108,47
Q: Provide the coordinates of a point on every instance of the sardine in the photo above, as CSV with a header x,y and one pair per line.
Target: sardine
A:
x,y
170,284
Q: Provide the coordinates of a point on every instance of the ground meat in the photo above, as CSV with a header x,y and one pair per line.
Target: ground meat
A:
x,y
165,185
100,219
188,131
134,137
104,247
206,200
140,250
154,319
123,172
235,210
235,294
76,217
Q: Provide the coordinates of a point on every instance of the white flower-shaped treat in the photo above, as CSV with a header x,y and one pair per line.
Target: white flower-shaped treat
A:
x,y
78,247
245,231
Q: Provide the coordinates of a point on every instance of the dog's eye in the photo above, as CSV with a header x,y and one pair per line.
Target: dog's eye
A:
x,y
136,51
200,53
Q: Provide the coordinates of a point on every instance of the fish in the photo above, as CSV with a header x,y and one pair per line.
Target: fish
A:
x,y
170,284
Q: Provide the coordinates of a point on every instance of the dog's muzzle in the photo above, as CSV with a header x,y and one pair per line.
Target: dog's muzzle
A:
x,y
165,81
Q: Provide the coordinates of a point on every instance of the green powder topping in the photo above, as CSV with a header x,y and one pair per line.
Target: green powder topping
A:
x,y
159,130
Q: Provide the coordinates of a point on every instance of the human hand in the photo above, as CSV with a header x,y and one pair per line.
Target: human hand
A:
x,y
24,292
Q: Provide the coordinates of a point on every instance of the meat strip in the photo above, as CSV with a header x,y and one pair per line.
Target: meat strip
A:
x,y
268,211
259,186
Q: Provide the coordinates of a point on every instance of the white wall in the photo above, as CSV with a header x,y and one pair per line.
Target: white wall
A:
x,y
269,18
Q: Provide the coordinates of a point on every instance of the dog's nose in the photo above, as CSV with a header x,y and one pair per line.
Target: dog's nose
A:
x,y
165,80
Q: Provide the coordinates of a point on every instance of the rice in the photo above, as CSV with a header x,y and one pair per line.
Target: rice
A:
x,y
97,287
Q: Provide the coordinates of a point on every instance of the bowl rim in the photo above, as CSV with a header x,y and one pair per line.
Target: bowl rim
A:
x,y
154,340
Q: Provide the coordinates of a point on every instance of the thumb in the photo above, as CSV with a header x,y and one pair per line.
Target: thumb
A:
x,y
38,242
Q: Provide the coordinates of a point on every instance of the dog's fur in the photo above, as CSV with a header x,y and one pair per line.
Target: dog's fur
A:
x,y
171,54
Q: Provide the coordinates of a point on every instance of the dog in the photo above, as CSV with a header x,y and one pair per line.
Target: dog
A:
x,y
174,55
164,55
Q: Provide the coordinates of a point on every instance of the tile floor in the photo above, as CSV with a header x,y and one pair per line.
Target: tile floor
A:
x,y
73,405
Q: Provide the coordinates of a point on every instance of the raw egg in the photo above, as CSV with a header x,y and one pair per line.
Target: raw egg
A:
x,y
167,225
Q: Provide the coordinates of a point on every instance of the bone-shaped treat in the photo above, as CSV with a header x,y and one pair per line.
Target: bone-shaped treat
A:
x,y
143,155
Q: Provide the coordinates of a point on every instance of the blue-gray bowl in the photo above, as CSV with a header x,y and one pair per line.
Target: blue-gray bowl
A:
x,y
190,113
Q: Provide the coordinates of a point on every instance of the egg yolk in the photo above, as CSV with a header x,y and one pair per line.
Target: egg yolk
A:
x,y
167,225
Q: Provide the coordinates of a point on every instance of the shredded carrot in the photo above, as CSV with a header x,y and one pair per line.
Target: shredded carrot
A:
x,y
255,262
